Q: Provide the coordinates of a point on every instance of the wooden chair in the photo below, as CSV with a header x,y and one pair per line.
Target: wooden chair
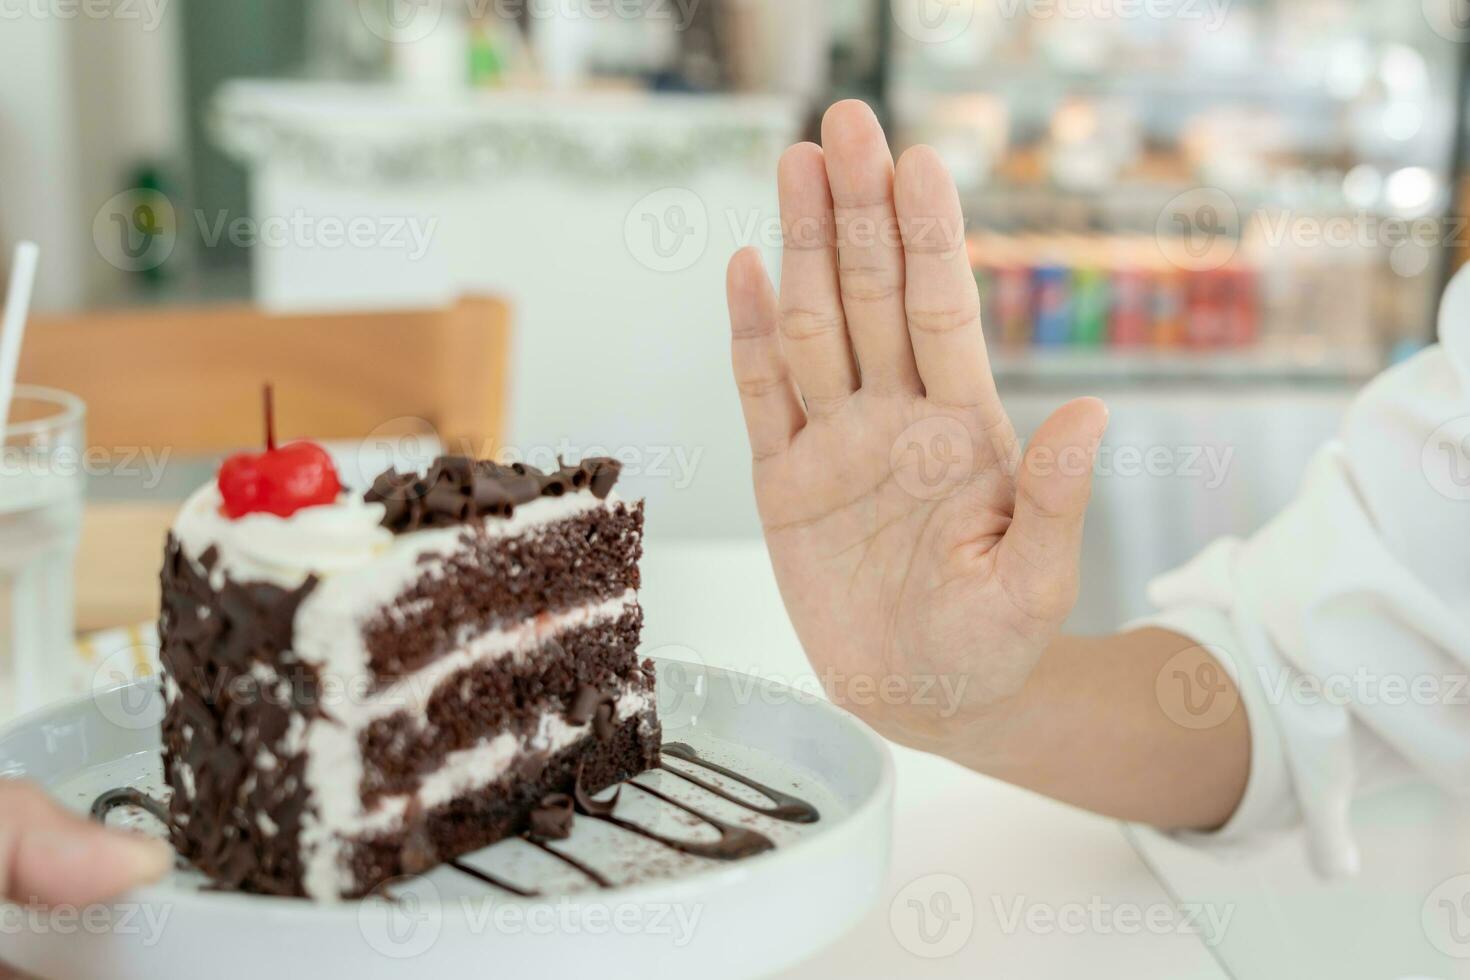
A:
x,y
188,381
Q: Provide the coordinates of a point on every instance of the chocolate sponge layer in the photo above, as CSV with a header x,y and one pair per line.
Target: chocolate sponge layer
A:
x,y
503,809
510,694
498,581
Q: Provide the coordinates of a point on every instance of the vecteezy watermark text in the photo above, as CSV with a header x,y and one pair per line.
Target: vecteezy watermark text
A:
x,y
408,21
407,234
1212,13
405,917
138,230
1100,917
149,12
146,921
85,461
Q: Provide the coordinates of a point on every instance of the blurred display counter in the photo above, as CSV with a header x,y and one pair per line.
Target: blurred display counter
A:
x,y
1255,366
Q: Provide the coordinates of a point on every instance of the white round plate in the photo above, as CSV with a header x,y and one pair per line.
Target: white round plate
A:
x,y
667,914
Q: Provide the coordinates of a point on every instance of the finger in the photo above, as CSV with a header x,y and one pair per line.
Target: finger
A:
x,y
1042,549
813,330
49,856
940,298
869,248
772,409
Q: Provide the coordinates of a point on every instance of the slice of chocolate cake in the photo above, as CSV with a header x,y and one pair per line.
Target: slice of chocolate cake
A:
x,y
367,685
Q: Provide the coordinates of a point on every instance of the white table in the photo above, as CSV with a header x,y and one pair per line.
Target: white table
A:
x,y
1010,849
982,844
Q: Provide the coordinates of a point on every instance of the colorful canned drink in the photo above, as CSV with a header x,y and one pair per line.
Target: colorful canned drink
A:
x,y
1132,294
1243,313
1011,286
1169,299
1209,301
1090,299
1053,285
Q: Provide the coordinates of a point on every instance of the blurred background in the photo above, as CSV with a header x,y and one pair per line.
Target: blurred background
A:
x,y
1223,216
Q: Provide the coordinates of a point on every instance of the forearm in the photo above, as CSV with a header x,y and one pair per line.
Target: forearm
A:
x,y
1103,723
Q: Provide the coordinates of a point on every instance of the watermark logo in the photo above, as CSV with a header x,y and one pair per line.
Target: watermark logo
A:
x,y
403,918
1199,230
1445,459
401,21
408,444
683,686
933,458
1445,917
136,230
134,707
934,21
1450,19
933,916
668,230
1194,691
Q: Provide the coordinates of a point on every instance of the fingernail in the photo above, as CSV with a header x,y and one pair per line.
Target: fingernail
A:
x,y
148,859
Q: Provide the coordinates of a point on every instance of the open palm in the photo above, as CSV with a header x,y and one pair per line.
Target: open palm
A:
x,y
925,563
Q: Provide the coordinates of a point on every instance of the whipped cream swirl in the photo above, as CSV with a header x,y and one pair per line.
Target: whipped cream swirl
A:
x,y
317,541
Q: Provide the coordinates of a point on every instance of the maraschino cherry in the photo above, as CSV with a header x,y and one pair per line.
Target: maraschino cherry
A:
x,y
279,481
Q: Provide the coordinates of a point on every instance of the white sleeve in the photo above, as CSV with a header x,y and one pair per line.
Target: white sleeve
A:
x,y
1346,620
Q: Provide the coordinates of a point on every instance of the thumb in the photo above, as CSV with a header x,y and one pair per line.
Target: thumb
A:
x,y
1042,548
49,856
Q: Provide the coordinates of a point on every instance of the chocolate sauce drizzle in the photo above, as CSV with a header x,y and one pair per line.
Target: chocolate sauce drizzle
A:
x,y
127,796
789,808
733,844
494,880
592,873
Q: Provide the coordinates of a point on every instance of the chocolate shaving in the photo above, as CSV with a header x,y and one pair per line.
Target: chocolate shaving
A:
x,y
586,804
458,489
417,853
552,818
221,720
586,703
602,722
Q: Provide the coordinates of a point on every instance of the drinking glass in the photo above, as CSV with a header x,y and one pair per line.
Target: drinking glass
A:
x,y
41,493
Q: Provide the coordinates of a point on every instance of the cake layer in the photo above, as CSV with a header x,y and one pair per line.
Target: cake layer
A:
x,y
494,580
493,812
499,694
382,669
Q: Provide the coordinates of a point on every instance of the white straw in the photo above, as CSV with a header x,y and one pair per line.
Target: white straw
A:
x,y
17,305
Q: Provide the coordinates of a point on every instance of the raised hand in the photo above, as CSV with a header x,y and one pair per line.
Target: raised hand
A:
x,y
925,563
